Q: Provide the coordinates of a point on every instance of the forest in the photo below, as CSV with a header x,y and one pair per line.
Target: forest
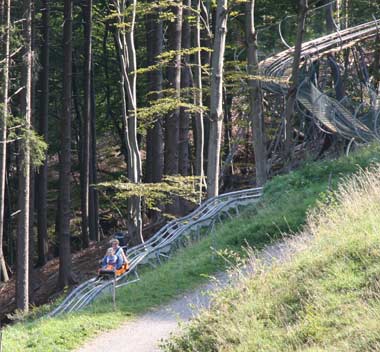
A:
x,y
120,115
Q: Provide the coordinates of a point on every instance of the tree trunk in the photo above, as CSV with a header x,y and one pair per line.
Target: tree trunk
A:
x,y
22,276
155,142
42,177
291,96
184,116
127,55
3,131
198,101
108,92
216,102
64,216
255,98
85,164
93,195
206,41
174,82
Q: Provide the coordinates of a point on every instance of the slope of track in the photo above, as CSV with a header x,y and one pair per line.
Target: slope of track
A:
x,y
282,208
328,111
160,244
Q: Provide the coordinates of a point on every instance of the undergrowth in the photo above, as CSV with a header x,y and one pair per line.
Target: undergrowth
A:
x,y
282,209
324,298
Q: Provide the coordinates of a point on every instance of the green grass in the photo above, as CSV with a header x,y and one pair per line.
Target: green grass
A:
x,y
326,298
283,209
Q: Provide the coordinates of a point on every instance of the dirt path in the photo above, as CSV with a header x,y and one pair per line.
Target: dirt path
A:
x,y
145,333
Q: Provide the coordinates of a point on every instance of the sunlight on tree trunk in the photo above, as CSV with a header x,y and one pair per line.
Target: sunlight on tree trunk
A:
x,y
216,103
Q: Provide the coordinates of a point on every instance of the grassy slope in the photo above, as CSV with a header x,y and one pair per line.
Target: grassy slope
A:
x,y
283,208
327,298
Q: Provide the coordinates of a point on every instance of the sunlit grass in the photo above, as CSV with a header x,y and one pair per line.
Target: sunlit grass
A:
x,y
325,298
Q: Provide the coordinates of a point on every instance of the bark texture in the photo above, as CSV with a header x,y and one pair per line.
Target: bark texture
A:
x,y
85,162
64,211
291,96
184,116
216,102
174,83
255,97
42,176
198,101
127,56
3,130
155,138
22,270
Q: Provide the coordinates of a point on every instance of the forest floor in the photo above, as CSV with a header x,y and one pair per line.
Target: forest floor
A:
x,y
85,264
145,333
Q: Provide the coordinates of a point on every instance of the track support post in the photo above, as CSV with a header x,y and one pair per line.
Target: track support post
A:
x,y
114,293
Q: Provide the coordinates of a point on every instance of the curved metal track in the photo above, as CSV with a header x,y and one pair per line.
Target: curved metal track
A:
x,y
173,235
328,111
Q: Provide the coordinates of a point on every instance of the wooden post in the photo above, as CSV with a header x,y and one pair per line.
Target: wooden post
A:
x,y
113,294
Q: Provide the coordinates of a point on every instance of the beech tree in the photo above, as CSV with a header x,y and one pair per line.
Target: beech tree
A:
x,y
127,54
216,100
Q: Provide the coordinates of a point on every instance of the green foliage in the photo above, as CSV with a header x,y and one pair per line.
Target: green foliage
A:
x,y
155,194
161,107
38,147
165,58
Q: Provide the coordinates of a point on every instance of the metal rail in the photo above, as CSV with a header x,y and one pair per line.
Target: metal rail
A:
x,y
328,111
173,235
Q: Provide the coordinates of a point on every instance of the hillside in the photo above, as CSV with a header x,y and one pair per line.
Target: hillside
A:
x,y
325,298
284,207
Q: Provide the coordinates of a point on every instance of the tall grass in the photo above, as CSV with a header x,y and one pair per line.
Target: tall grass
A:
x,y
326,298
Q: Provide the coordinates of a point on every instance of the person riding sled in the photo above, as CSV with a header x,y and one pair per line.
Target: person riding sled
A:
x,y
119,252
115,261
110,260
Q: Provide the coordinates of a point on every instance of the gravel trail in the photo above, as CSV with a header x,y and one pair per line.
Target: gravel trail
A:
x,y
145,333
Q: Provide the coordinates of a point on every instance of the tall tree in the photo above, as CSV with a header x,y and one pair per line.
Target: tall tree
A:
x,y
42,176
155,142
292,92
198,101
184,116
6,22
256,115
93,196
174,33
22,274
85,160
216,101
64,211
127,54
